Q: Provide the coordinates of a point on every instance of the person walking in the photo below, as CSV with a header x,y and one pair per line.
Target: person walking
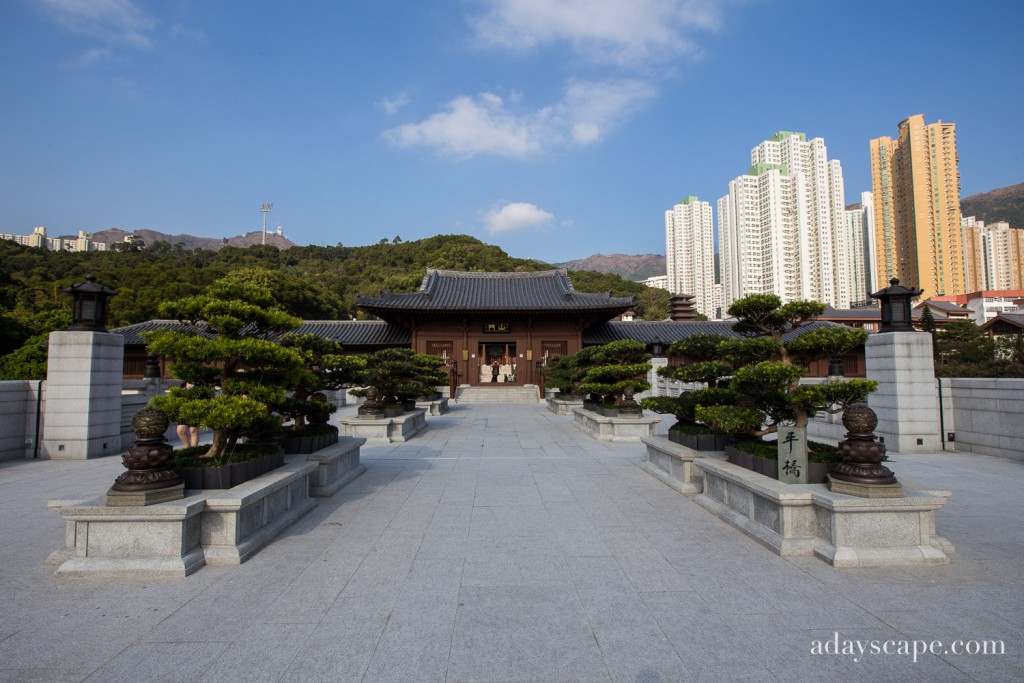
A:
x,y
188,434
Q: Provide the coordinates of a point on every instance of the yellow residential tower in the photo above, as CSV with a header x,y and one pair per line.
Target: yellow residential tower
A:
x,y
916,187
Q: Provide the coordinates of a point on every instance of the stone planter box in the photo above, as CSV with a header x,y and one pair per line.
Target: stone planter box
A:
x,y
386,429
436,406
698,442
563,406
174,539
306,444
616,429
672,464
808,519
230,474
337,465
817,472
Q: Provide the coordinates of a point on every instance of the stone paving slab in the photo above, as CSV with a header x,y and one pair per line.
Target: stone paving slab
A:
x,y
504,545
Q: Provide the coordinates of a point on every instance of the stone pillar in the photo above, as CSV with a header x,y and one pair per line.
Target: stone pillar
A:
x,y
906,401
653,377
84,376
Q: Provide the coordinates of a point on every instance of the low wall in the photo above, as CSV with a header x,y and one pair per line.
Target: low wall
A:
x,y
616,429
18,400
808,519
672,464
561,406
386,429
174,539
987,416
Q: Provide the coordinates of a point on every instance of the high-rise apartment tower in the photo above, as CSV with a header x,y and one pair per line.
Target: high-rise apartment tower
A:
x,y
690,253
916,189
783,230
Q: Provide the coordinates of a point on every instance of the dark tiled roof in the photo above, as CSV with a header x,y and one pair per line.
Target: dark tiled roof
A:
x,y
358,332
948,306
538,292
372,333
668,331
1005,320
133,333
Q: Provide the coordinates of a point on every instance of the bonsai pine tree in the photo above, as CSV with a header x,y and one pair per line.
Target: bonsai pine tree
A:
x,y
769,360
560,374
701,364
324,367
566,372
239,375
430,374
618,368
399,374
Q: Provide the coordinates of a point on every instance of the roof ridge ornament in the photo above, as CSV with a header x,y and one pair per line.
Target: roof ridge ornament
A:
x,y
428,283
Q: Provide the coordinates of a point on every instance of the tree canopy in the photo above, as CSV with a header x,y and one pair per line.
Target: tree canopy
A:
x,y
311,282
766,367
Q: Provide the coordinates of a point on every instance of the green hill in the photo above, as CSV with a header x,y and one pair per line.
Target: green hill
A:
x,y
1004,204
313,282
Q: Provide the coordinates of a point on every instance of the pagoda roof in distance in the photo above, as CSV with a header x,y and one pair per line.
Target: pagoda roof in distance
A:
x,y
546,291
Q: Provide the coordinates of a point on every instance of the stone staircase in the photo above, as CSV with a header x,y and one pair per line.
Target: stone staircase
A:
x,y
499,394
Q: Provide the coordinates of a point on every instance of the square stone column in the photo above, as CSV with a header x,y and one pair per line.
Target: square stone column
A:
x,y
84,376
906,401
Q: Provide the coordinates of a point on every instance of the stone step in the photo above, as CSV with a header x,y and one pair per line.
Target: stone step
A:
x,y
528,394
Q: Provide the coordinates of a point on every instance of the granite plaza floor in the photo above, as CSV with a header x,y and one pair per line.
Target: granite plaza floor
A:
x,y
502,544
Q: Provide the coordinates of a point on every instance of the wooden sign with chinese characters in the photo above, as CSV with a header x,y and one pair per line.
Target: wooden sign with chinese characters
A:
x,y
497,328
793,455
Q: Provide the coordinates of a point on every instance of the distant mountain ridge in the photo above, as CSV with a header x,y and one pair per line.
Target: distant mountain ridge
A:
x,y
628,266
150,237
1003,204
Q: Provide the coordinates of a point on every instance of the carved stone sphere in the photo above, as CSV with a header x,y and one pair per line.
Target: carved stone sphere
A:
x,y
150,423
860,419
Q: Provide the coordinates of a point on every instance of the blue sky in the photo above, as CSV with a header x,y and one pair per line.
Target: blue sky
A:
x,y
553,129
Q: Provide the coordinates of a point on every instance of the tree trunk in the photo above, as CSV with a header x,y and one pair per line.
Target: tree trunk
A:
x,y
220,440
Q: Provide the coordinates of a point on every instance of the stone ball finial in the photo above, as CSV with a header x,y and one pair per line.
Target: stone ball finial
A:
x,y
860,419
150,423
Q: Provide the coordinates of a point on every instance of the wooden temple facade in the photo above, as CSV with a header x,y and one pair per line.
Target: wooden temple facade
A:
x,y
496,328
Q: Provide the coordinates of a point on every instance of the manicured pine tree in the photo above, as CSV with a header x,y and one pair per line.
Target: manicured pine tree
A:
x,y
239,375
700,364
769,362
618,368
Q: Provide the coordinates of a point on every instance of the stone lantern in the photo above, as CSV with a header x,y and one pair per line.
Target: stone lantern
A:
x,y
896,307
89,309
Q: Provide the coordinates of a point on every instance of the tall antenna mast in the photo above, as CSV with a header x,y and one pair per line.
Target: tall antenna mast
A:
x,y
265,209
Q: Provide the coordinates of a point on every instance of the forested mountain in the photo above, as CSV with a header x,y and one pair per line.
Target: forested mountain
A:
x,y
313,282
1004,204
629,266
114,236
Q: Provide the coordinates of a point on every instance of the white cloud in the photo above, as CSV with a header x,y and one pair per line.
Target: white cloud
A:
x,y
515,216
112,22
485,124
593,108
92,56
472,125
391,105
624,32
